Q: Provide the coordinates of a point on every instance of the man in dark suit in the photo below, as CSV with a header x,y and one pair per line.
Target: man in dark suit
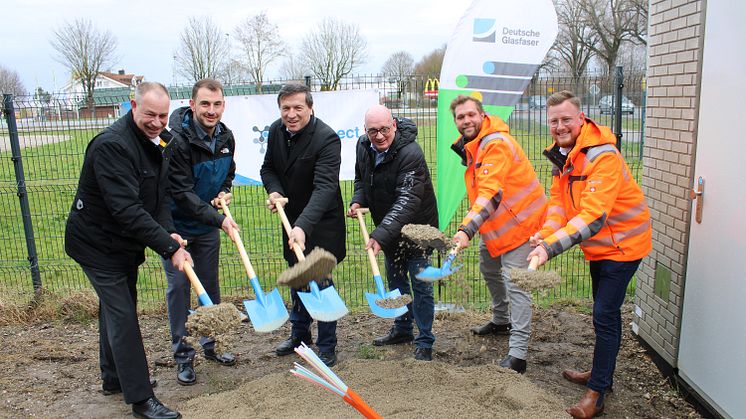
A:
x,y
302,164
120,208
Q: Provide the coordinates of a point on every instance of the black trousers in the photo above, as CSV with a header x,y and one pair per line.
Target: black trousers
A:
x,y
121,351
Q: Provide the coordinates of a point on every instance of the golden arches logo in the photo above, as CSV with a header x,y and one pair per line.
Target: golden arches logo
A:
x,y
431,87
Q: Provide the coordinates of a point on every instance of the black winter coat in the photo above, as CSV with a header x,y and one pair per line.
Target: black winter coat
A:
x,y
308,176
198,174
121,205
398,191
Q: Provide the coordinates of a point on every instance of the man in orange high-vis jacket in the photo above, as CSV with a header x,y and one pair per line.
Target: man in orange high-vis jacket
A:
x,y
595,202
507,206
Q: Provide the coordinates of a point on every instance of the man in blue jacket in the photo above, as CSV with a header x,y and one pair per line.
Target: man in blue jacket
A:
x,y
393,181
120,209
202,171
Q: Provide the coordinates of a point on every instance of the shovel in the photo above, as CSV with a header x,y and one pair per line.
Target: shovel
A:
x,y
387,313
323,305
531,279
204,299
267,312
432,274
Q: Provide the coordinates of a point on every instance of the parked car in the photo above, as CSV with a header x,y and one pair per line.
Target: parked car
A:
x,y
606,105
537,102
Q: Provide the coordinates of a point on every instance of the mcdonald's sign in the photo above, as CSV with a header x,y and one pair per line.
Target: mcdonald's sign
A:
x,y
431,88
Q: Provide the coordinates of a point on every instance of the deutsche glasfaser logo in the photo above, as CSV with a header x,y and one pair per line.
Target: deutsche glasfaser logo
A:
x,y
262,138
484,30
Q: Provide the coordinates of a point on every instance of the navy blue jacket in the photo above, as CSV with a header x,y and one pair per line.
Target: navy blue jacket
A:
x,y
197,174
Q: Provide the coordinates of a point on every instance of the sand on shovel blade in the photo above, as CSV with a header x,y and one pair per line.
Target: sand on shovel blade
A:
x,y
317,265
394,302
534,280
216,321
425,236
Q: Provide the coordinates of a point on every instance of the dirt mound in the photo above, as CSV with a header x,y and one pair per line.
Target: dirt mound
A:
x,y
395,389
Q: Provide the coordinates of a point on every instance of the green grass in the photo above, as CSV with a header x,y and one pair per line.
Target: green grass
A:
x,y
52,171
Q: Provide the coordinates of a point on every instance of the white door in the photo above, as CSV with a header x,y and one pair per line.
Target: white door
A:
x,y
712,351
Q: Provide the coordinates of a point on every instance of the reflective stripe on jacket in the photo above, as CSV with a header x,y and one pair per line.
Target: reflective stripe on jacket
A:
x,y
507,201
595,202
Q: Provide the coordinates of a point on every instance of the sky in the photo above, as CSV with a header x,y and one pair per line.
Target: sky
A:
x,y
147,32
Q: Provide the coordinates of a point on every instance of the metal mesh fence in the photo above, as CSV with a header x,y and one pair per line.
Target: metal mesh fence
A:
x,y
53,132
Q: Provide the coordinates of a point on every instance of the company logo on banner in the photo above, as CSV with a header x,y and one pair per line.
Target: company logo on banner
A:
x,y
249,117
492,55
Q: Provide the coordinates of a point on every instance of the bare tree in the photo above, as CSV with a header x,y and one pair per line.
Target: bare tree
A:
x,y
261,45
333,51
572,44
85,51
612,22
399,68
431,63
203,50
10,82
293,68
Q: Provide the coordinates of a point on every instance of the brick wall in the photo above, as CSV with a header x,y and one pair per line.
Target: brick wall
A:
x,y
674,51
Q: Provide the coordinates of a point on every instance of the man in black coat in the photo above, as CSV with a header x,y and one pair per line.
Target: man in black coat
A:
x,y
201,172
302,164
120,209
392,180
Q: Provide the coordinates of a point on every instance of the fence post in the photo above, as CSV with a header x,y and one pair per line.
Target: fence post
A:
x,y
15,147
619,79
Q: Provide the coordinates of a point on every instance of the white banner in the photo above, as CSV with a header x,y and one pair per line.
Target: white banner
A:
x,y
249,117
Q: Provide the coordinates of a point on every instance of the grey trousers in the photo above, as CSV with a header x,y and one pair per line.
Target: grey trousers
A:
x,y
510,304
205,251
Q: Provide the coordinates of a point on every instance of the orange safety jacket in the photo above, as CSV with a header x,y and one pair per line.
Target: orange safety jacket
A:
x,y
507,201
595,201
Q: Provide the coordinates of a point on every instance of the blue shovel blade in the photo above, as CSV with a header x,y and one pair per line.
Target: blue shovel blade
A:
x,y
325,305
431,273
268,316
386,313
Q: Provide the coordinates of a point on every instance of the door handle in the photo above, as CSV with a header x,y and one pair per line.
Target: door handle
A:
x,y
698,195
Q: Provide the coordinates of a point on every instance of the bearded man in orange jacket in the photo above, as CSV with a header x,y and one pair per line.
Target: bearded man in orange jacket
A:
x,y
507,206
596,203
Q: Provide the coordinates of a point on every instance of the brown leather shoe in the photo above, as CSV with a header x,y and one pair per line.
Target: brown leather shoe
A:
x,y
577,377
587,407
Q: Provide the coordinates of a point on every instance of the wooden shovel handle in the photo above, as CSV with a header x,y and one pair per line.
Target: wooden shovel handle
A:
x,y
280,205
196,284
534,263
366,237
239,243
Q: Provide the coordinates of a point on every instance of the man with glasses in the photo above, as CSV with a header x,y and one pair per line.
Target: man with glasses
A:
x,y
507,206
596,203
393,180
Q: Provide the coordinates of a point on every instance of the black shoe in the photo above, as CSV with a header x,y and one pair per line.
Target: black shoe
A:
x,y
423,354
108,390
288,346
226,359
185,374
492,329
393,337
328,358
516,364
153,409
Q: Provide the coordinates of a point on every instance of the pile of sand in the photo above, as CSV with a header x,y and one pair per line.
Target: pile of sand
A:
x,y
315,267
395,389
216,321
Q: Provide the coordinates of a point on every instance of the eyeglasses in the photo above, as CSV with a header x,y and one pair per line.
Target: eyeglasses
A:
x,y
372,132
567,120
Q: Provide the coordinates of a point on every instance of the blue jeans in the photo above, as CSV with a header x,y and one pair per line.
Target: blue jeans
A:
x,y
610,280
422,306
300,322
